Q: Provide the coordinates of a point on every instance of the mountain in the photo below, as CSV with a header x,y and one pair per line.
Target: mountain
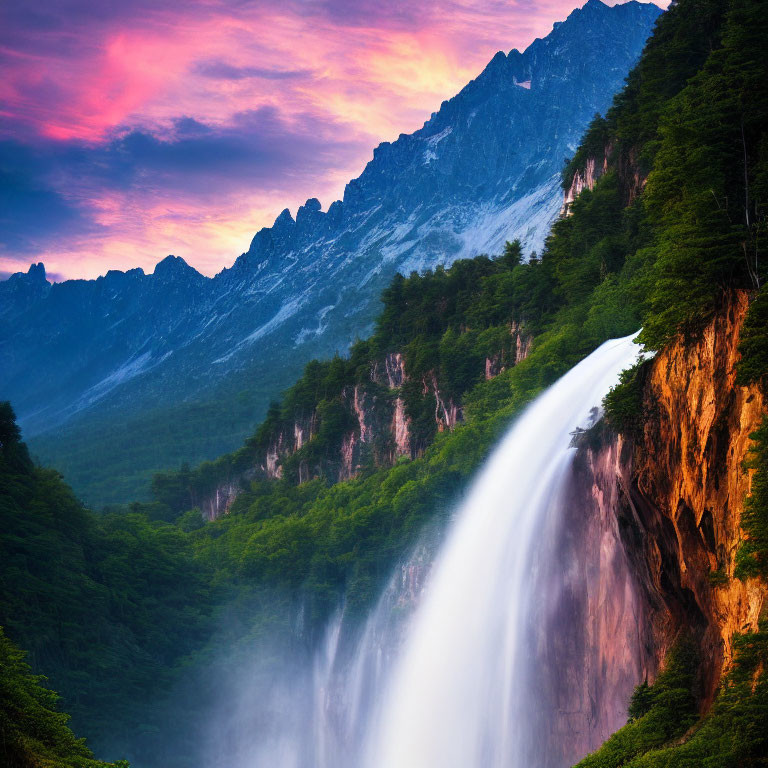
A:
x,y
213,642
129,373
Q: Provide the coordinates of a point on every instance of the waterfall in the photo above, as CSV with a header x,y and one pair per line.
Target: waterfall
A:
x,y
459,693
476,656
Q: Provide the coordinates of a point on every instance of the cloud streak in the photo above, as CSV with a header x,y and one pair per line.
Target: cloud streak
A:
x,y
130,130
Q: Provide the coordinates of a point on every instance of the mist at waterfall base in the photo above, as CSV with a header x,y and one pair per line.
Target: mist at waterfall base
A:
x,y
511,641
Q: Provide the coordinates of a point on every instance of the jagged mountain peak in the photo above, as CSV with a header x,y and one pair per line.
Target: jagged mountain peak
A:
x,y
117,278
284,220
312,204
22,290
499,59
174,267
513,71
310,214
483,169
596,13
36,274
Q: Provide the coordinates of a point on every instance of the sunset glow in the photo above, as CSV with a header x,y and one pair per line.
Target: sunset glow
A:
x,y
127,133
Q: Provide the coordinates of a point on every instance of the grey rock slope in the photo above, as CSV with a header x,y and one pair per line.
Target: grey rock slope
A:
x,y
483,169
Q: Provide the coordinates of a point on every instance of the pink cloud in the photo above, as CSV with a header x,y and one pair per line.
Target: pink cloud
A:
x,y
357,73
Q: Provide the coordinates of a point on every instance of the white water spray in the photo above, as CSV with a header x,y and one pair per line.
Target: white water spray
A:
x,y
468,679
458,694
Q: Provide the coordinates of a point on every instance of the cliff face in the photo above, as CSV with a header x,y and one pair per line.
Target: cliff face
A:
x,y
585,178
678,491
648,544
631,176
688,472
374,426
377,426
594,644
213,505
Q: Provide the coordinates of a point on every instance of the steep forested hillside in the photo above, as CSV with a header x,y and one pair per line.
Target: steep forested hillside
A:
x,y
704,148
118,377
103,604
667,228
33,732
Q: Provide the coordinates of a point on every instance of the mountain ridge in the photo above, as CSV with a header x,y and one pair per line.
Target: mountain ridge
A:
x,y
484,168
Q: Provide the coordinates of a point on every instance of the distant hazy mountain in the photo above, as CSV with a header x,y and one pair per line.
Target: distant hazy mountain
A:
x,y
93,367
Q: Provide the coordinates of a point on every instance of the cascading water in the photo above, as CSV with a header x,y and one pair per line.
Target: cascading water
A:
x,y
459,694
459,672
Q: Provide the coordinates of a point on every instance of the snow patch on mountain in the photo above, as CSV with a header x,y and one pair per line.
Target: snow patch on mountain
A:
x,y
289,309
530,218
305,333
127,371
482,170
438,137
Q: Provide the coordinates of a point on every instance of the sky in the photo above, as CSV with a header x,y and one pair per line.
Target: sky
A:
x,y
132,129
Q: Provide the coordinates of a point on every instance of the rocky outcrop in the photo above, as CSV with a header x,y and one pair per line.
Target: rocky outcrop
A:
x,y
585,178
690,484
523,341
401,425
631,176
500,361
390,372
447,413
271,466
218,503
493,367
378,429
677,492
381,425
592,616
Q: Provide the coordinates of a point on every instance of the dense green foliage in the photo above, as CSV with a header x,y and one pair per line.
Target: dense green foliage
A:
x,y
146,579
593,146
623,405
33,733
345,538
753,344
446,323
665,732
104,605
752,556
658,713
692,119
707,190
682,41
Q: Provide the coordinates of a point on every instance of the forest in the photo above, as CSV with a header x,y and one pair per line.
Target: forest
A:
x,y
118,606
